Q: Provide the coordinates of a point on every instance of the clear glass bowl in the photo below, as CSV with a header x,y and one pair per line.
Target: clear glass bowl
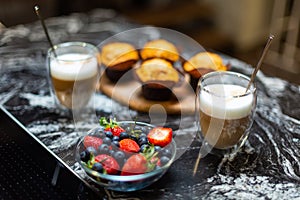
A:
x,y
125,183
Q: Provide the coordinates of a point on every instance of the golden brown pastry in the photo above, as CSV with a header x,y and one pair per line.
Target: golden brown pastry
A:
x,y
118,58
160,49
158,77
201,64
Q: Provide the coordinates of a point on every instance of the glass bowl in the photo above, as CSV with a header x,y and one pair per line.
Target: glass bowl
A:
x,y
131,182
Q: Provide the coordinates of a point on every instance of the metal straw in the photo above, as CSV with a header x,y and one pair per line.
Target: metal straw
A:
x,y
271,37
37,11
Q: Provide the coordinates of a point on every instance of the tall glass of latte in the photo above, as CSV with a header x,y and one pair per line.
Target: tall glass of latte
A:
x,y
73,69
224,110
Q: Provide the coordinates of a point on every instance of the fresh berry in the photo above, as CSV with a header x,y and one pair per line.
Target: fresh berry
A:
x,y
107,141
101,135
155,160
136,164
166,152
115,138
133,137
115,144
160,136
143,140
120,157
157,148
98,167
112,126
123,135
92,141
103,149
91,150
85,156
142,135
117,130
109,134
164,160
110,164
129,145
111,152
144,147
157,167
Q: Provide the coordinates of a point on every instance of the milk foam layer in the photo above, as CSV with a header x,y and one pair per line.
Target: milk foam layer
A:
x,y
224,103
73,66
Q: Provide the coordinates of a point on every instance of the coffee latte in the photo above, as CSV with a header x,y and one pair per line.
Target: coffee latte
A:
x,y
74,78
225,114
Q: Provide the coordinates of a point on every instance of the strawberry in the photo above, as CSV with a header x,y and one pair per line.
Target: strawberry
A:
x,y
112,126
92,141
135,164
156,161
116,130
110,164
129,145
160,136
141,163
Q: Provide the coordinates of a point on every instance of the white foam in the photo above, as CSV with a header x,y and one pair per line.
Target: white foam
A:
x,y
232,108
74,66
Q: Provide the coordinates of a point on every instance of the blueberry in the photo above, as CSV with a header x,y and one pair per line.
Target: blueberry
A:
x,y
120,157
106,140
84,156
166,152
123,135
103,149
116,144
143,135
115,138
144,147
101,135
91,150
109,134
133,138
164,160
98,167
157,148
157,167
142,140
111,152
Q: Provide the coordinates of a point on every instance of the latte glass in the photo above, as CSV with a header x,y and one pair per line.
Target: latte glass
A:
x,y
224,111
73,73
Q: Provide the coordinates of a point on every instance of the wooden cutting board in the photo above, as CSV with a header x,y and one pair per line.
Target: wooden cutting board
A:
x,y
129,93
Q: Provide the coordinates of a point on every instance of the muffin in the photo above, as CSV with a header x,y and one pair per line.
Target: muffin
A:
x,y
158,77
202,63
160,49
118,58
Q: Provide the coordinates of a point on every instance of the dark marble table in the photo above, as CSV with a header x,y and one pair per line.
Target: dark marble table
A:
x,y
267,167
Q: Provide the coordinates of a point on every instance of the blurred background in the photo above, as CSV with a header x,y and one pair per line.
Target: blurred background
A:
x,y
237,28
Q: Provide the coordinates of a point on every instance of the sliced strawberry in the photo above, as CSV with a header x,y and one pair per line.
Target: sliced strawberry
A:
x,y
129,145
160,136
136,164
110,164
116,130
92,141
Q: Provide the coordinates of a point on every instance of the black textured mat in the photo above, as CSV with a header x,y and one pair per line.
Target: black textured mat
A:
x,y
29,171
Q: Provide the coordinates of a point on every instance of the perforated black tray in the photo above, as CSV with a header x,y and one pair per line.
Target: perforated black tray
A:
x,y
28,170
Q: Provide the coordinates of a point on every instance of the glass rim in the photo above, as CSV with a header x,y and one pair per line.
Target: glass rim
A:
x,y
84,45
251,89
